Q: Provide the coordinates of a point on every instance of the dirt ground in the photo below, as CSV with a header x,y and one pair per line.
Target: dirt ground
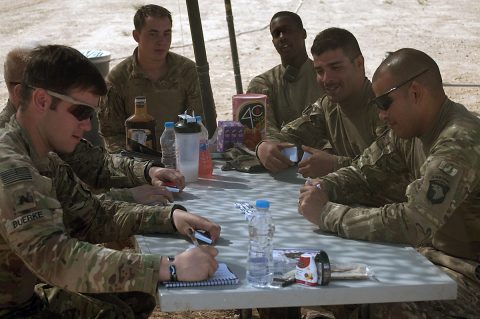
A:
x,y
447,30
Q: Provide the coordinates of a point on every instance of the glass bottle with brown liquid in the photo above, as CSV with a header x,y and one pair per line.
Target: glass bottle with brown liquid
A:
x,y
140,128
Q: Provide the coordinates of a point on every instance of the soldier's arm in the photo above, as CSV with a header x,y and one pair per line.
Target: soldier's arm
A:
x,y
106,220
310,129
112,118
33,227
429,201
102,170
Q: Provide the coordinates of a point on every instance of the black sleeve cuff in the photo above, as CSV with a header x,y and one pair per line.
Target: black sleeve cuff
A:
x,y
175,206
150,164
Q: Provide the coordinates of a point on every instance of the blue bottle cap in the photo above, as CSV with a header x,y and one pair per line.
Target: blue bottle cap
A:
x,y
168,124
262,203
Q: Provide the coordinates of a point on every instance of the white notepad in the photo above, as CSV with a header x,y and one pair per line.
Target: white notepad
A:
x,y
223,276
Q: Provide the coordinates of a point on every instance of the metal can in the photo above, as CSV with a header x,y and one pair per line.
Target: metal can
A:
x,y
324,271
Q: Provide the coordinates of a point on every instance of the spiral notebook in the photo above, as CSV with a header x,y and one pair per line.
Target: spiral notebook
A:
x,y
223,276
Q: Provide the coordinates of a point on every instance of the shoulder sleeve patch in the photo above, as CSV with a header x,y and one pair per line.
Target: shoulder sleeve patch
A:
x,y
24,199
15,175
437,190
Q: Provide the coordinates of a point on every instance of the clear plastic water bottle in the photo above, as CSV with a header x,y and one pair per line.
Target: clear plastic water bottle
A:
x,y
167,142
205,163
260,261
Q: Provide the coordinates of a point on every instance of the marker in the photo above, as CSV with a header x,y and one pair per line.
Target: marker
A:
x,y
191,235
172,189
203,238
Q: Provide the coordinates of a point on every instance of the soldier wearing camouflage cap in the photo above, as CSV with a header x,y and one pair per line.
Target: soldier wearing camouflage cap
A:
x,y
340,124
439,213
117,177
49,222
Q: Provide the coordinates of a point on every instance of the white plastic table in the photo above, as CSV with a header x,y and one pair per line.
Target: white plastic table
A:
x,y
401,274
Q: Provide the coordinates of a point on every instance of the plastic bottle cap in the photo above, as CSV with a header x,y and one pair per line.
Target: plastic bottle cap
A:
x,y
186,125
262,203
198,118
168,124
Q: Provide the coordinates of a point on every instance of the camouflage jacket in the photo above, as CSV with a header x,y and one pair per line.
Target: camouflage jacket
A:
x,y
178,91
325,125
287,98
7,113
48,223
441,204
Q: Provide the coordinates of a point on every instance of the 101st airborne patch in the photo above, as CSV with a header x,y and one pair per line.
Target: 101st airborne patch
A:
x,y
437,190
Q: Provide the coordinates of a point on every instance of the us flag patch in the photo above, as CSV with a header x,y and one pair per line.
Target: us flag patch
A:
x,y
15,175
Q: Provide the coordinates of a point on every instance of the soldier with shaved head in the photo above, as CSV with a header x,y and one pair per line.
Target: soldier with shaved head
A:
x,y
439,212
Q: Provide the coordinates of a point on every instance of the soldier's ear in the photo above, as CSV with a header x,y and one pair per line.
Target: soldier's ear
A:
x,y
41,100
417,91
136,35
16,95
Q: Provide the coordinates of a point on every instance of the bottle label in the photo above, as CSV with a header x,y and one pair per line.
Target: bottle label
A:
x,y
142,136
142,133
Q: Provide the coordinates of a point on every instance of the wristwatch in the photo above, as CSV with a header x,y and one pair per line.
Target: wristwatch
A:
x,y
172,269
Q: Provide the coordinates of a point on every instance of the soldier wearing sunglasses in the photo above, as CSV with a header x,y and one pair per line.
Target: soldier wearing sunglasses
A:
x,y
439,212
50,223
121,178
341,123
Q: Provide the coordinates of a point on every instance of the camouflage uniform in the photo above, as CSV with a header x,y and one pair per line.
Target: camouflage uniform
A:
x,y
326,126
439,213
287,98
178,91
48,223
103,172
7,113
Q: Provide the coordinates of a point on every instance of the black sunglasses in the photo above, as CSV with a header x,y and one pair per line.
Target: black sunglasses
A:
x,y
80,110
384,101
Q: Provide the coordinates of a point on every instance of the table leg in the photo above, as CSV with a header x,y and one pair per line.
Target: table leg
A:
x,y
244,313
280,313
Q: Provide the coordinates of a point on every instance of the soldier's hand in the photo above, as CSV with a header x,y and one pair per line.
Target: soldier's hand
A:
x,y
148,194
184,221
320,163
196,263
311,201
270,155
159,175
191,265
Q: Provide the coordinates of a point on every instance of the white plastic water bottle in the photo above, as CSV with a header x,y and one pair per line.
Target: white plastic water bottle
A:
x,y
260,261
205,164
167,143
